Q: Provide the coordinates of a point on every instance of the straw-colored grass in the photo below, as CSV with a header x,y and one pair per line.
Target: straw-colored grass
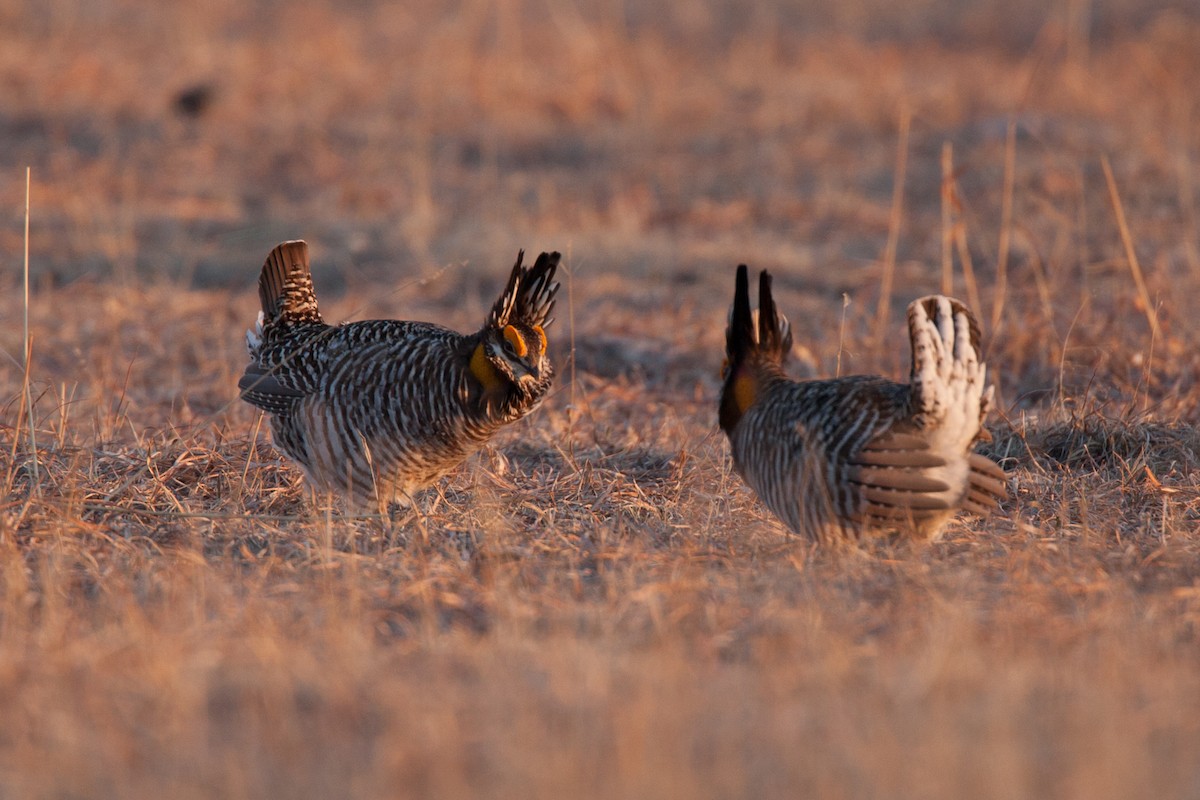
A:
x,y
595,606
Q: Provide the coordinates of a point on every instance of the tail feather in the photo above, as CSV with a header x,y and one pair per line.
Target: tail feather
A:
x,y
948,390
950,396
285,287
528,296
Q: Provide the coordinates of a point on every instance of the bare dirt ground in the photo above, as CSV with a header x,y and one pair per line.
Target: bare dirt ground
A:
x,y
596,607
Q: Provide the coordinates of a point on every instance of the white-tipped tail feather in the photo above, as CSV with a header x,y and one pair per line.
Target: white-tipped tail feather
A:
x,y
949,398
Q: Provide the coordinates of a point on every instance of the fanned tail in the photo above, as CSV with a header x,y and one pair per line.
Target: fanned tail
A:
x,y
948,377
285,289
950,394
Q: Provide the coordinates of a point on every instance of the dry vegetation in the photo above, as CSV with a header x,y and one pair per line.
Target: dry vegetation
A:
x,y
596,607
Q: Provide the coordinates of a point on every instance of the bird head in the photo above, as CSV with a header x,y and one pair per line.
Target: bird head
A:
x,y
517,352
512,347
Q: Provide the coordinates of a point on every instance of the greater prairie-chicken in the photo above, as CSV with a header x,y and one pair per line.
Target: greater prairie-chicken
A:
x,y
836,459
378,409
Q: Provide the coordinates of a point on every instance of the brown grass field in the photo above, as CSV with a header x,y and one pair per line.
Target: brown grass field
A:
x,y
596,607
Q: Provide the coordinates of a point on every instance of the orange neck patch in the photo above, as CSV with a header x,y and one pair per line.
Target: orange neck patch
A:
x,y
745,391
483,370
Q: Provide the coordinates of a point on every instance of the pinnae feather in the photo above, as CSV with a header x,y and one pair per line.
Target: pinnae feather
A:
x,y
528,296
774,332
740,338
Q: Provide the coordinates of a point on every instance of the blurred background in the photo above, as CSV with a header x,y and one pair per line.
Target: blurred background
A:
x,y
657,144
185,139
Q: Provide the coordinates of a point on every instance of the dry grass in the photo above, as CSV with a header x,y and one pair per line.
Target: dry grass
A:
x,y
596,607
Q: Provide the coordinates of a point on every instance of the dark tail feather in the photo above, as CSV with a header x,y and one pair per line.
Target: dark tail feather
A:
x,y
529,294
285,286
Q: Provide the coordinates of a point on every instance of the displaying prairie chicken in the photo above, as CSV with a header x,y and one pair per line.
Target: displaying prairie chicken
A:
x,y
836,459
376,410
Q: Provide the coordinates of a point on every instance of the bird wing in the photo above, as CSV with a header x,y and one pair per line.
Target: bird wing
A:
x,y
899,475
895,477
262,388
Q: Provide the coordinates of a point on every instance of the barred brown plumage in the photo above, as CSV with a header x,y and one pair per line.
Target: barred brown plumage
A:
x,y
378,409
836,459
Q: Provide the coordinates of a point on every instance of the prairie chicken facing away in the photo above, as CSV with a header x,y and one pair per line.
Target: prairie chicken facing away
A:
x,y
376,410
836,459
